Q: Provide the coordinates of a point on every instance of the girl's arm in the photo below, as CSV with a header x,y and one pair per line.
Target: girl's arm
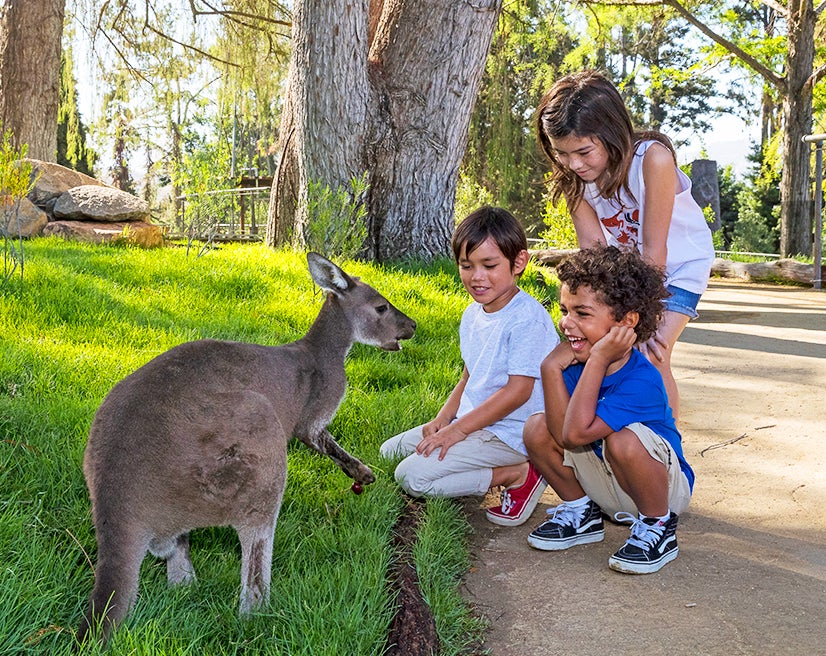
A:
x,y
501,403
588,231
660,175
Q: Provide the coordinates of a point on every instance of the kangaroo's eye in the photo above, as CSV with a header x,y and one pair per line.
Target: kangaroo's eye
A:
x,y
381,309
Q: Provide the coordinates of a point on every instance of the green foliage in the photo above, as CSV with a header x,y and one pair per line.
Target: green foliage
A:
x,y
336,225
119,118
72,150
92,315
757,226
560,231
470,195
502,156
646,51
730,188
250,92
15,183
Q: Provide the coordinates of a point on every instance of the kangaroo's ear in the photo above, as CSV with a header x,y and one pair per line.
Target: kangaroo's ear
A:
x,y
327,275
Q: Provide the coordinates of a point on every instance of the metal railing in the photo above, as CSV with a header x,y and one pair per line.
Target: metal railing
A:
x,y
817,253
222,215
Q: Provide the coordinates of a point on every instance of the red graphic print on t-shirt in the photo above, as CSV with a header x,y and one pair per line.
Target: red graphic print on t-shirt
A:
x,y
624,226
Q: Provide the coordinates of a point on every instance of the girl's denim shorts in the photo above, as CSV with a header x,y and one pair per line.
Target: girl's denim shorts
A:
x,y
682,301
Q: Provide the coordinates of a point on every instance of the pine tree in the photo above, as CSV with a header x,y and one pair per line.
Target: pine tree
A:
x,y
72,150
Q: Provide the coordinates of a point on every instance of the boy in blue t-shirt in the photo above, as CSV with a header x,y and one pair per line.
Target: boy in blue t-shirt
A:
x,y
607,441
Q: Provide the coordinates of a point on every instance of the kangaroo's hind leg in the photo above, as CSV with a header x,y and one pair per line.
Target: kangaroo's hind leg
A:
x,y
179,569
256,565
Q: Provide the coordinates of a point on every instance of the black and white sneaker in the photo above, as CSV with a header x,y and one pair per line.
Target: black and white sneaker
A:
x,y
652,544
567,527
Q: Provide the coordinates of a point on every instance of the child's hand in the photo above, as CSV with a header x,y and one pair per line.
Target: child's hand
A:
x,y
653,348
433,425
443,439
615,344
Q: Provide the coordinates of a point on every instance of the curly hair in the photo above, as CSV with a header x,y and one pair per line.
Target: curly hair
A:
x,y
622,280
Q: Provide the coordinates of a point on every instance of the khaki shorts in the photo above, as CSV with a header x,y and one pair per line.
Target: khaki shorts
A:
x,y
597,479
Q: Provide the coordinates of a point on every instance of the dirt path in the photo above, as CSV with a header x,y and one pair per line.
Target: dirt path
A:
x,y
751,574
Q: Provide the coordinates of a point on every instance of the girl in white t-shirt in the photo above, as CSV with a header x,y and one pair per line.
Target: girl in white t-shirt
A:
x,y
623,188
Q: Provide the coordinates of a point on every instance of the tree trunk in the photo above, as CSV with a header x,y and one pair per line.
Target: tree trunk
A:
x,y
403,117
427,63
30,44
324,120
796,209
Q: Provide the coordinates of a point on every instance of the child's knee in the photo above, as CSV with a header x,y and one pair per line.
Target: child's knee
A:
x,y
410,477
390,448
624,446
535,434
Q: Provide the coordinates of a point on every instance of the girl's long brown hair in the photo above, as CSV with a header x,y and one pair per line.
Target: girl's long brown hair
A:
x,y
586,104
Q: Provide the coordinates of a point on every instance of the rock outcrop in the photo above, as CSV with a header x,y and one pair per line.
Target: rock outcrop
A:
x,y
75,206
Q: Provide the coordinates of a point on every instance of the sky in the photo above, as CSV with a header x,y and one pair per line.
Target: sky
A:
x,y
729,142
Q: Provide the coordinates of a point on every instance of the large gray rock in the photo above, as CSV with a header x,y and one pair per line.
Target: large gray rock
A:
x,y
95,203
29,221
52,180
98,232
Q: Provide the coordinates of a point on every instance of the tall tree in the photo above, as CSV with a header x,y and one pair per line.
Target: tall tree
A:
x,y
383,87
794,82
72,150
30,41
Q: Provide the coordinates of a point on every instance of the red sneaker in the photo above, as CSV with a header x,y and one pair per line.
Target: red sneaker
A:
x,y
518,502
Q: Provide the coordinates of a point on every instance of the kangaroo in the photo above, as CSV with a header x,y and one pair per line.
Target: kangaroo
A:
x,y
198,437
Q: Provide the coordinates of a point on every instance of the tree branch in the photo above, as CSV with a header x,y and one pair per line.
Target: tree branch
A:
x,y
817,75
820,8
203,53
732,47
780,9
229,13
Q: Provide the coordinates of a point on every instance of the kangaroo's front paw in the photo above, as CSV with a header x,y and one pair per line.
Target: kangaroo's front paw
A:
x,y
365,475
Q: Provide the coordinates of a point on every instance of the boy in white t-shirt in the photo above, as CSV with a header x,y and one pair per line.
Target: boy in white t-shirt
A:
x,y
475,441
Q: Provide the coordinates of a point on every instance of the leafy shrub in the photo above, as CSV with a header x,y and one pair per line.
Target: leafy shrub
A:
x,y
336,224
560,232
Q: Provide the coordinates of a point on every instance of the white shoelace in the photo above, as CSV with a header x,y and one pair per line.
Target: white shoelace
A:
x,y
507,502
643,535
565,515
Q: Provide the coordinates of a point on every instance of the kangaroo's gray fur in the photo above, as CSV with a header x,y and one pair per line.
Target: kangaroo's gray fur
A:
x,y
198,437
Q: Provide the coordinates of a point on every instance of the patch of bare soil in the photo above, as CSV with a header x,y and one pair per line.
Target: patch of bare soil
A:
x,y
413,630
751,575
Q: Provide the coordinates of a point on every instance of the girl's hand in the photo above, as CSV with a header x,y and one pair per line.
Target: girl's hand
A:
x,y
615,344
654,347
443,439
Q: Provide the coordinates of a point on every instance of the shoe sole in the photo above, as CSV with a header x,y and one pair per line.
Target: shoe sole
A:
x,y
533,500
545,544
626,567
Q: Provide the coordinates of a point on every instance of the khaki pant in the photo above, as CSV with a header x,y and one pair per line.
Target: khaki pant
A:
x,y
597,479
465,471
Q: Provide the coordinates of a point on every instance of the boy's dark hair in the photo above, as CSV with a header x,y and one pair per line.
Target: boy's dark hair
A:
x,y
622,280
494,222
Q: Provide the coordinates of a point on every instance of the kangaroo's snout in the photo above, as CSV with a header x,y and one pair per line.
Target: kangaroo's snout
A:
x,y
406,331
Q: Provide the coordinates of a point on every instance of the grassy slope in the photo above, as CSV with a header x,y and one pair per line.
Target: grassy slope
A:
x,y
87,316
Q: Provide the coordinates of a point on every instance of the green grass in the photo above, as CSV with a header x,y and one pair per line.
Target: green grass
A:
x,y
82,318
